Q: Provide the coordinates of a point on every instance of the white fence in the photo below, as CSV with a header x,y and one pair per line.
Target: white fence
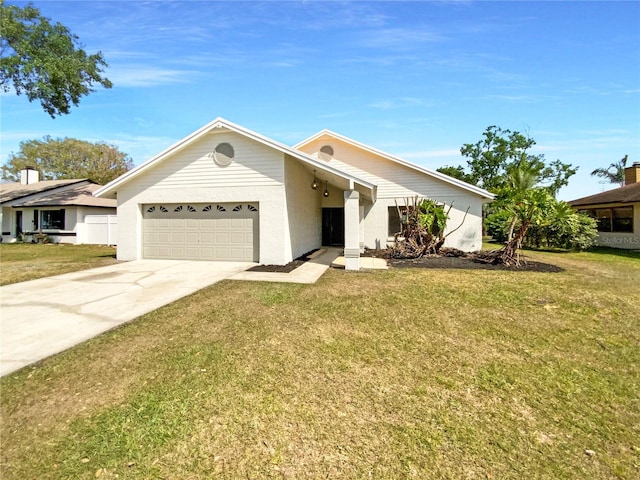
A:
x,y
101,229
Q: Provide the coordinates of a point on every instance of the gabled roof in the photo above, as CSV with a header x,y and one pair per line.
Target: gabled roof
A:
x,y
627,194
432,173
13,191
111,188
78,195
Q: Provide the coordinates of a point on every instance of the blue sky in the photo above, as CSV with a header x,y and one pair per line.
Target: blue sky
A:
x,y
415,79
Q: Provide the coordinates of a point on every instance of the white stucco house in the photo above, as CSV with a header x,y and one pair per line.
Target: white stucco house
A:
x,y
65,210
228,193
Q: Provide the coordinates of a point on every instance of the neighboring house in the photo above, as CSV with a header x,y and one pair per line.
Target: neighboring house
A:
x,y
227,193
617,212
65,210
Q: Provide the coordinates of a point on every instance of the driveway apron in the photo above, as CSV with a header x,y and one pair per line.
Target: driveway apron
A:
x,y
42,317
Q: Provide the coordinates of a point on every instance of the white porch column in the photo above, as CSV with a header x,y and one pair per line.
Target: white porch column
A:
x,y
351,230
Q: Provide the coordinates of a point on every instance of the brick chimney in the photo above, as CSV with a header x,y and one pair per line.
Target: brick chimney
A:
x,y
29,175
632,174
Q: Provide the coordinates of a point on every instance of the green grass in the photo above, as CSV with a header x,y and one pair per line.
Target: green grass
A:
x,y
20,262
387,374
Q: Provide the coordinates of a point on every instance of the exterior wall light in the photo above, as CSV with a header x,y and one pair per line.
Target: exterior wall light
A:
x,y
326,189
314,185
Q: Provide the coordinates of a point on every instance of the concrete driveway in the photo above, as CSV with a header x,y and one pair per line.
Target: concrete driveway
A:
x,y
46,316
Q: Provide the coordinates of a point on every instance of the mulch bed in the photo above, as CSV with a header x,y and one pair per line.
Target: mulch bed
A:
x,y
461,261
470,264
288,268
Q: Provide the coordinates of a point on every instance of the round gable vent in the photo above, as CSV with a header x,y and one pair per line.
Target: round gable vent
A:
x,y
223,154
326,152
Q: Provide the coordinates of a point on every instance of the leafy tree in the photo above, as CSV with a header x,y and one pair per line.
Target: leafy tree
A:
x,y
491,158
614,173
68,158
457,172
525,205
45,61
526,210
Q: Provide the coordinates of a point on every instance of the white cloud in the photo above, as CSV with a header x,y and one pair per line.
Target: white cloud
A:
x,y
399,38
139,147
524,98
335,114
417,155
403,102
147,76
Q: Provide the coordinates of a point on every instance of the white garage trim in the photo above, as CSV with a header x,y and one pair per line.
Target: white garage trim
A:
x,y
201,231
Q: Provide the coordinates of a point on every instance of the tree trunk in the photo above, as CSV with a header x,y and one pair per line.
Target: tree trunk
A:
x,y
509,254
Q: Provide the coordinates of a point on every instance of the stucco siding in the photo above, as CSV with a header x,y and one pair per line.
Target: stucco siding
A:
x,y
468,237
271,206
303,209
190,175
254,164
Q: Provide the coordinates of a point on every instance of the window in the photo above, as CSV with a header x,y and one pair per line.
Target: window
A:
x,y
53,219
616,219
223,154
603,217
326,152
394,220
622,219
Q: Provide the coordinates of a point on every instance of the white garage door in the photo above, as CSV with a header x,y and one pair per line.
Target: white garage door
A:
x,y
224,231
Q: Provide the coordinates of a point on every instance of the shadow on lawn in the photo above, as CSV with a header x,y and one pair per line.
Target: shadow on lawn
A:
x,y
618,252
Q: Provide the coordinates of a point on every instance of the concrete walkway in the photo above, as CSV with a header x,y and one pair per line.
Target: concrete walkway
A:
x,y
46,316
308,272
366,263
311,270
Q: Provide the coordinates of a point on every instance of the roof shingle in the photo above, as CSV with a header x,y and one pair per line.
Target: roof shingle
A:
x,y
80,195
627,194
12,191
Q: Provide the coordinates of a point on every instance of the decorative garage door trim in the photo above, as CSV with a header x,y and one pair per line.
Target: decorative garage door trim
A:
x,y
201,231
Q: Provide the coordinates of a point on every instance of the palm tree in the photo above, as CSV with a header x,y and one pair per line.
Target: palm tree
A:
x,y
614,173
525,203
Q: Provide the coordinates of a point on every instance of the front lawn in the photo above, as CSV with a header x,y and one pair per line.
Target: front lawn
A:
x,y
405,373
20,262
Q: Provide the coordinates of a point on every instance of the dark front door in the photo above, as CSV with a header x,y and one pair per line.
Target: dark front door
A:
x,y
18,223
333,226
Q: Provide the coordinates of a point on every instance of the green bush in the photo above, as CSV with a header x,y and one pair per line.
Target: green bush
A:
x,y
497,225
562,227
